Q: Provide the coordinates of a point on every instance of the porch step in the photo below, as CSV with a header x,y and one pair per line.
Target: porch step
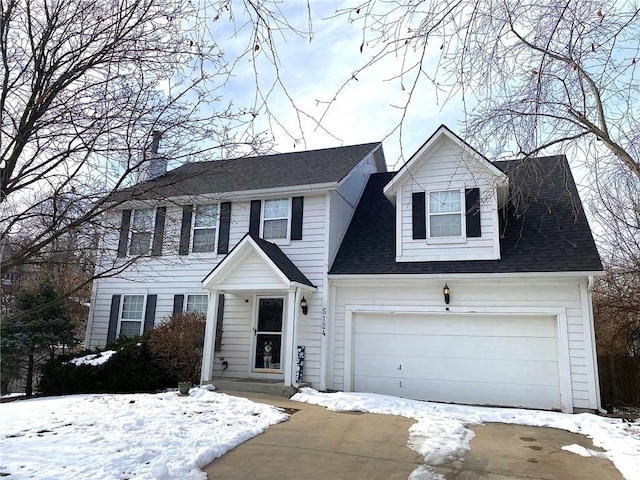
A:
x,y
269,387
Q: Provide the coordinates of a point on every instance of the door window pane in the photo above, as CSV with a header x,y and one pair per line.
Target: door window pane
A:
x,y
270,314
268,348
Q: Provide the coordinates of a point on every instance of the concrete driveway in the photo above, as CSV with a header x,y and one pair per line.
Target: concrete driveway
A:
x,y
318,444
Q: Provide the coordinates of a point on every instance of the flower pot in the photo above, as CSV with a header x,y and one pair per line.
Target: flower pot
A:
x,y
183,388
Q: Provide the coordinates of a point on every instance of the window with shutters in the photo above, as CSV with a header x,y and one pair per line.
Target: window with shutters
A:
x,y
131,315
205,226
197,303
275,219
142,224
445,213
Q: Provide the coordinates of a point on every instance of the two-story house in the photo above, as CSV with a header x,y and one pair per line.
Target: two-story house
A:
x,y
454,279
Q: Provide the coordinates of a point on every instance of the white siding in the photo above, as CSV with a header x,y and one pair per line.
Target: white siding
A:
x,y
173,274
447,168
469,296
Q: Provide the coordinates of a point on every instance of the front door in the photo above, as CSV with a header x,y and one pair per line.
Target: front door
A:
x,y
268,335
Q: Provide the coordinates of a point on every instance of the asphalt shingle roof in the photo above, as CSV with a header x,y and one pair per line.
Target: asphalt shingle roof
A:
x,y
544,229
281,260
252,173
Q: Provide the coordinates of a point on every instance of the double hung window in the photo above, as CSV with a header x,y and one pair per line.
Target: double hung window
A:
x,y
275,219
204,228
131,316
445,214
197,303
141,231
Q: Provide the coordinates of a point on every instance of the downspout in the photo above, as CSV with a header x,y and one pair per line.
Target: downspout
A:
x,y
592,334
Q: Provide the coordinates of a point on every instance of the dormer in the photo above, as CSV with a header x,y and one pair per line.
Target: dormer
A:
x,y
447,198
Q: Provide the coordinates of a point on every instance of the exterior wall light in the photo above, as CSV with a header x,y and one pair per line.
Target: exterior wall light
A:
x,y
446,292
304,306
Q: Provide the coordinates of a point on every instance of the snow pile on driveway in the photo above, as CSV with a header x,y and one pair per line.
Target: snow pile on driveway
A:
x,y
441,434
143,436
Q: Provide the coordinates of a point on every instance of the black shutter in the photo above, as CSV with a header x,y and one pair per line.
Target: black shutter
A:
x,y
418,215
150,312
178,304
297,207
124,233
219,316
472,205
254,217
113,318
158,234
185,231
225,226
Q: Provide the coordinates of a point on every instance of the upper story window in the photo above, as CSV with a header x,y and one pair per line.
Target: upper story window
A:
x,y
445,214
275,219
141,231
131,315
197,303
205,225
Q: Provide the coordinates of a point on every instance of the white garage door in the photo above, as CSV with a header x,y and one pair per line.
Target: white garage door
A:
x,y
473,359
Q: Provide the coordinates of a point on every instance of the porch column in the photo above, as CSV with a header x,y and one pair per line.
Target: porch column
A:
x,y
209,338
289,335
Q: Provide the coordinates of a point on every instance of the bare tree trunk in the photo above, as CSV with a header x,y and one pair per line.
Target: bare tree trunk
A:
x,y
29,380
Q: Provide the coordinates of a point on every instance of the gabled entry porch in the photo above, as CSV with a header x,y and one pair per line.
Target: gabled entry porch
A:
x,y
255,297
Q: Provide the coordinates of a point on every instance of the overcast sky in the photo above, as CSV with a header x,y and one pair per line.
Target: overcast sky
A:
x,y
313,72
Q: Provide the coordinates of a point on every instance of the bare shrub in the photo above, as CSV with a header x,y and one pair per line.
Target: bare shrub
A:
x,y
178,344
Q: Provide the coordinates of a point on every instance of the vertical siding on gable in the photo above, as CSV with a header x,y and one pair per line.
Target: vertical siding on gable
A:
x,y
447,169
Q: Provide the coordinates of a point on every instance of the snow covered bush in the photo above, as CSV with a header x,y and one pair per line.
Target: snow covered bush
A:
x,y
133,368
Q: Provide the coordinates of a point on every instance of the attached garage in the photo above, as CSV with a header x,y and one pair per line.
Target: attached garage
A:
x,y
482,359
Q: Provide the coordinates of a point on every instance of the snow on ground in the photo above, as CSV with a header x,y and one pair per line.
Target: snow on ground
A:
x,y
137,436
440,432
168,436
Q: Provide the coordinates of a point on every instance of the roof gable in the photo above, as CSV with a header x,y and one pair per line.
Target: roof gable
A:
x,y
264,262
471,157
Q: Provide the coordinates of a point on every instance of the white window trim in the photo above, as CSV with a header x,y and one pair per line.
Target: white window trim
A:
x,y
193,228
144,311
152,231
462,238
186,301
279,241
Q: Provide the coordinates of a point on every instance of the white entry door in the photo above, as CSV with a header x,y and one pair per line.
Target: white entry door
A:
x,y
268,349
473,359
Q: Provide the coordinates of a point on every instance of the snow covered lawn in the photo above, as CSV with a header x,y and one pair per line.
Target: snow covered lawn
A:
x,y
167,436
441,431
136,436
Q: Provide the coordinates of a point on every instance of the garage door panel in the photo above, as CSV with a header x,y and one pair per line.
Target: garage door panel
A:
x,y
527,396
465,358
487,371
447,346
503,325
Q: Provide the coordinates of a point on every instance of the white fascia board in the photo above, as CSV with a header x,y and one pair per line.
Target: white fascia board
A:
x,y
337,278
303,286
